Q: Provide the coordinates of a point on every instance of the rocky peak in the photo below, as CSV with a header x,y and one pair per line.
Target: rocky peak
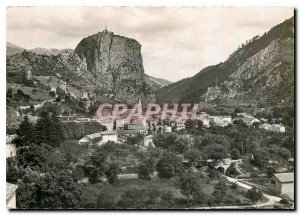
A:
x,y
115,63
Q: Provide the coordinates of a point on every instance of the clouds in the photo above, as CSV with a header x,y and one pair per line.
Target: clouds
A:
x,y
176,42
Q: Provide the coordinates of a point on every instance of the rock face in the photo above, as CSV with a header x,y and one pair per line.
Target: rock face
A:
x,y
260,71
115,64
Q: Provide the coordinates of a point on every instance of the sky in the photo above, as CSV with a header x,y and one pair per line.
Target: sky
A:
x,y
176,42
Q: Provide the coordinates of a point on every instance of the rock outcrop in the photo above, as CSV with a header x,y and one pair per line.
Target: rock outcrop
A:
x,y
260,71
115,63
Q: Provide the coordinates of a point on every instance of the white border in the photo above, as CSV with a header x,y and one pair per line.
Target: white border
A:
x,y
176,3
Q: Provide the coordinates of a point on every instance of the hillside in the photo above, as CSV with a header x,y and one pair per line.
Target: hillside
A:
x,y
261,71
12,49
156,83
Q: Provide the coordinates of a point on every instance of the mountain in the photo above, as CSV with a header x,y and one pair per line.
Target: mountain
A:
x,y
50,51
260,71
156,83
115,63
12,48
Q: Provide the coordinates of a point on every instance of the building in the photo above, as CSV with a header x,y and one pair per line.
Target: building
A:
x,y
283,183
62,85
205,122
243,115
248,120
265,126
168,129
274,127
85,95
90,139
11,149
11,195
278,128
107,136
148,141
220,120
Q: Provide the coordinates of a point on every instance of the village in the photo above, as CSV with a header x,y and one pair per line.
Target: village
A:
x,y
131,108
144,129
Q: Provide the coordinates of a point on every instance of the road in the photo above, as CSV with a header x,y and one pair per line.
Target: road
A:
x,y
271,199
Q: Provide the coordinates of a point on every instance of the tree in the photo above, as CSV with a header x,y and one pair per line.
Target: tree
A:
x,y
194,156
182,143
190,184
55,190
189,124
256,124
238,110
111,172
25,133
35,156
169,165
235,154
146,168
42,127
199,124
52,93
165,141
49,129
270,171
285,153
96,165
216,151
261,158
254,195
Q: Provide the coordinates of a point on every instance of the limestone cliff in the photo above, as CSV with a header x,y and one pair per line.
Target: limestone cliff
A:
x,y
260,71
115,63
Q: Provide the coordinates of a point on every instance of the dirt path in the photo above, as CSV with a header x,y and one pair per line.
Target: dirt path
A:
x,y
271,199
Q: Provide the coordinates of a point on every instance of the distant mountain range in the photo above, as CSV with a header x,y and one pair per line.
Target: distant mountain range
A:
x,y
13,49
259,71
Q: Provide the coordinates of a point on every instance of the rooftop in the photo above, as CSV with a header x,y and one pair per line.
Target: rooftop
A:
x,y
108,133
285,177
10,189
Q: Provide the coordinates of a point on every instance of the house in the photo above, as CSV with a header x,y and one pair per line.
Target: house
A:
x,y
168,129
62,85
274,127
11,149
265,126
249,120
148,141
205,122
243,115
278,128
89,139
180,127
11,195
107,136
85,95
283,183
220,120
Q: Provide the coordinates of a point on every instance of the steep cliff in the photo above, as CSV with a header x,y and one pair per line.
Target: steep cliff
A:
x,y
115,63
262,71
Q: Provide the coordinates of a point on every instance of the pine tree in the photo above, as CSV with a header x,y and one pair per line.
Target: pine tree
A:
x,y
25,133
43,128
